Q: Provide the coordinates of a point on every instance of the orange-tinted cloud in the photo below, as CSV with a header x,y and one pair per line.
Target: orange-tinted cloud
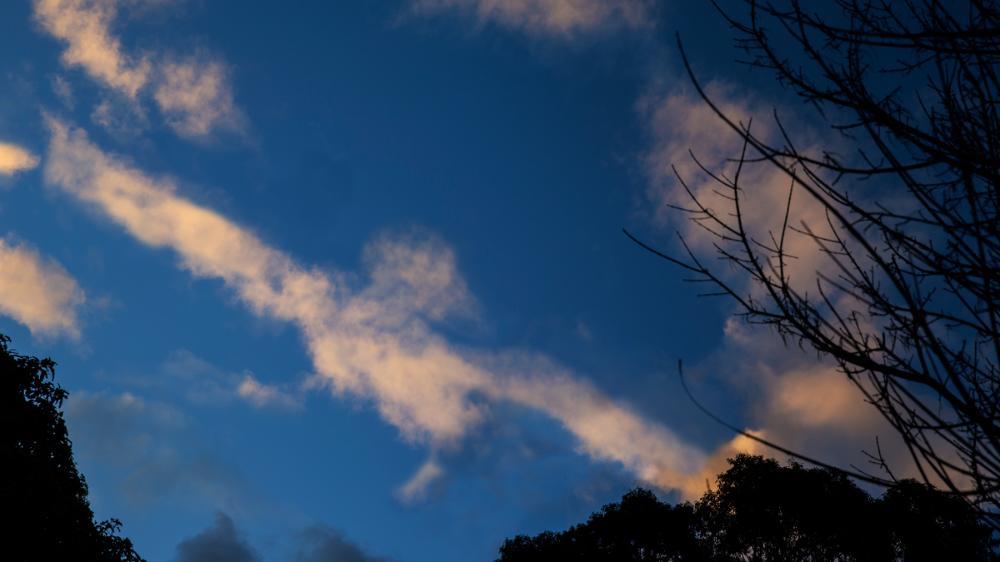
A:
x,y
376,342
14,159
194,93
38,292
559,18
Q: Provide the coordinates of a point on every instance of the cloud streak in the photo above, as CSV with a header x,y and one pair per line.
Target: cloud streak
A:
x,y
264,395
14,159
85,27
38,292
196,98
558,18
416,487
204,383
194,94
375,342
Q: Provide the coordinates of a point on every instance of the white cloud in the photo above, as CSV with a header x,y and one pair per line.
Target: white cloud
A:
x,y
14,159
84,25
695,484
548,17
194,93
38,292
795,399
375,343
605,429
196,97
415,489
680,124
819,396
265,395
202,382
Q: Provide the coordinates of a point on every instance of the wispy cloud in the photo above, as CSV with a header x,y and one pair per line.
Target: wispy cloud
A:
x,y
120,428
126,120
153,451
201,382
681,124
194,93
14,159
795,399
375,342
265,395
85,27
605,429
196,97
63,91
38,292
416,487
560,18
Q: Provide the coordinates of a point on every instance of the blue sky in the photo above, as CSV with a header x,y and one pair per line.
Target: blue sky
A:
x,y
344,280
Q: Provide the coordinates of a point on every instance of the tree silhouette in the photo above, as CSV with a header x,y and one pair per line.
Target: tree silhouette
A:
x,y
47,515
906,298
762,511
638,528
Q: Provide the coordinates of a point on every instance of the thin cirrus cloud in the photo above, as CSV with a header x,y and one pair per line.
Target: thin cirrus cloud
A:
x,y
38,292
204,383
193,93
375,342
156,456
559,18
416,487
264,395
15,159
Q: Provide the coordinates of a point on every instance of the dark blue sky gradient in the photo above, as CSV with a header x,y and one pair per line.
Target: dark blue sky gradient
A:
x,y
522,153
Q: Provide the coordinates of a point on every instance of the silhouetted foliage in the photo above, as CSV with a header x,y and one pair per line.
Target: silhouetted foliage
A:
x,y
906,175
763,511
44,498
638,528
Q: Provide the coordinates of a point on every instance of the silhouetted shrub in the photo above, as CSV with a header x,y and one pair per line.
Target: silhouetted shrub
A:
x,y
761,511
47,515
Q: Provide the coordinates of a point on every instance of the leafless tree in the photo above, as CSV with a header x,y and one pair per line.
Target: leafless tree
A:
x,y
909,307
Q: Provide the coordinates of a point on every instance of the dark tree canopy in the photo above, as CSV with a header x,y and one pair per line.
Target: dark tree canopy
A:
x,y
638,528
763,511
47,515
